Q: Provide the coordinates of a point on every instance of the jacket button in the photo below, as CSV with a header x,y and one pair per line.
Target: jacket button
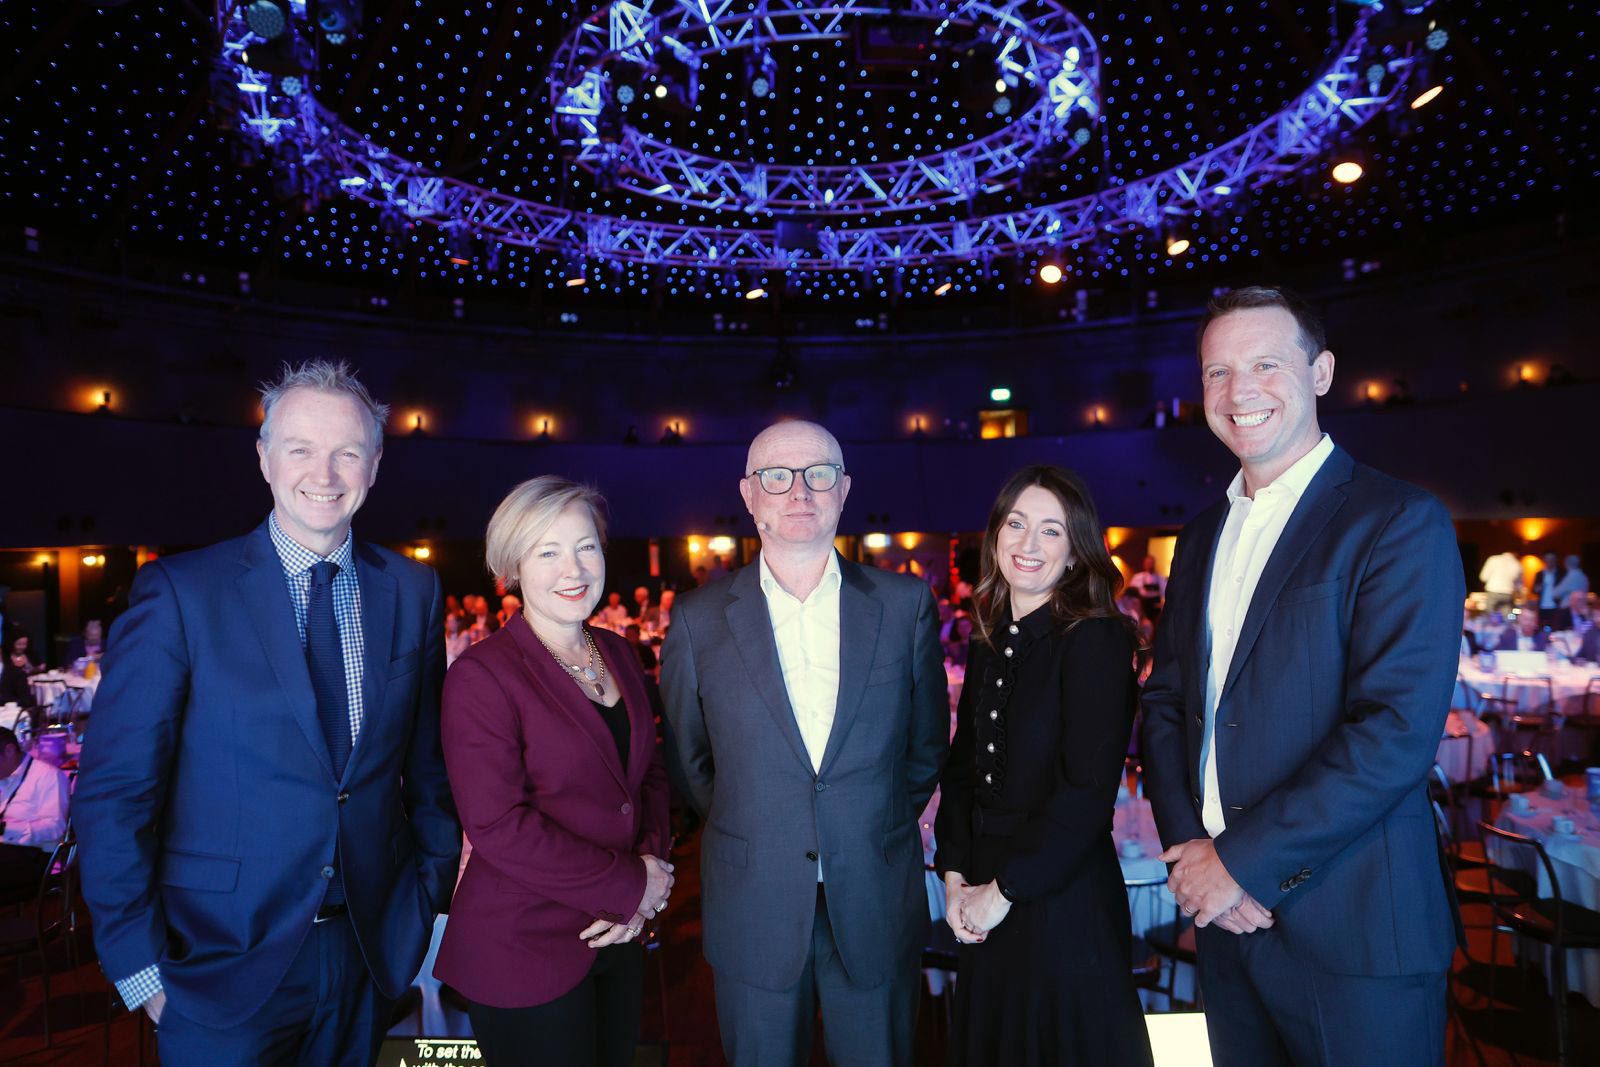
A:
x,y
812,856
990,746
999,683
327,872
343,797
821,786
1012,628
994,715
988,779
626,809
1010,652
1198,721
1305,872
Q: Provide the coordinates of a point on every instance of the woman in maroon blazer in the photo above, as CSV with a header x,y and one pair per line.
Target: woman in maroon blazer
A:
x,y
551,747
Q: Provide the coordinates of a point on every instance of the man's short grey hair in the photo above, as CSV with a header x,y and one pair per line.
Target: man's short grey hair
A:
x,y
324,377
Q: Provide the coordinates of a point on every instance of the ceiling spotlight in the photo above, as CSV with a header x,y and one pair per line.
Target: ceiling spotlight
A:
x,y
1347,171
1050,273
291,85
1002,106
755,294
266,18
1177,244
1437,37
625,95
760,86
1000,85
1426,97
943,289
661,92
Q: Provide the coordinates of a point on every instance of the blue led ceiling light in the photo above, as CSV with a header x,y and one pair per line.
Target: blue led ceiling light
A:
x,y
842,238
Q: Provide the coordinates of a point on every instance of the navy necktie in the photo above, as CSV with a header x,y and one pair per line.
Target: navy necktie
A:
x,y
325,658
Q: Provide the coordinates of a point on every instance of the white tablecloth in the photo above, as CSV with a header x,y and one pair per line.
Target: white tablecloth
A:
x,y
53,687
1568,683
1466,747
1576,858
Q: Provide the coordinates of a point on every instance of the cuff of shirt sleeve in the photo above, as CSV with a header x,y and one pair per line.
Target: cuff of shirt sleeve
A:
x,y
139,987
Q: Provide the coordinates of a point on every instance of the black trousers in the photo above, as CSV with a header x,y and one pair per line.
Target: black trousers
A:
x,y
596,1024
21,867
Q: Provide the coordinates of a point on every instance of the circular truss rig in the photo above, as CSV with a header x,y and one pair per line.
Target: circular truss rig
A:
x,y
1037,37
1035,44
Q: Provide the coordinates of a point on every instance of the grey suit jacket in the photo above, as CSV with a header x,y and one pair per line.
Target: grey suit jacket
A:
x,y
769,816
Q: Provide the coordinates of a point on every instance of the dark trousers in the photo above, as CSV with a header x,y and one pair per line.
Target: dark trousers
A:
x,y
21,868
861,1027
326,1011
1266,1008
595,1024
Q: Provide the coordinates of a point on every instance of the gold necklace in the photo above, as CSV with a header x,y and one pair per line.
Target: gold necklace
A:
x,y
587,674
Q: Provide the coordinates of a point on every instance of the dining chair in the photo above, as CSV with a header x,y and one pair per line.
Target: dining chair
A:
x,y
50,918
1550,920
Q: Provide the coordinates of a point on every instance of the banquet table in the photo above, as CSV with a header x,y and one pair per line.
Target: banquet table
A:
x,y
1576,859
73,691
1466,747
1133,828
1568,684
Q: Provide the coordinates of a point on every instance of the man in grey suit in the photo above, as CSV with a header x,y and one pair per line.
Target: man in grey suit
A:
x,y
809,713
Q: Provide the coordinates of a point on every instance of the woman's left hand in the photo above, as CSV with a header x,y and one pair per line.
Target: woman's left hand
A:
x,y
984,908
601,933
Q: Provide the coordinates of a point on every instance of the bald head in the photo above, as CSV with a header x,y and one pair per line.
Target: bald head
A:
x,y
794,433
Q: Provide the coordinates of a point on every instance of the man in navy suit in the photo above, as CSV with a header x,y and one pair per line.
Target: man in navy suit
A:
x,y
1526,634
266,827
1303,673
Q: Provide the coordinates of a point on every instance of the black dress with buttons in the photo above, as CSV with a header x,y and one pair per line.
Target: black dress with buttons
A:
x,y
1028,796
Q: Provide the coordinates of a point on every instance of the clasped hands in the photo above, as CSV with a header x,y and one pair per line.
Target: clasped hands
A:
x,y
972,910
1207,891
658,882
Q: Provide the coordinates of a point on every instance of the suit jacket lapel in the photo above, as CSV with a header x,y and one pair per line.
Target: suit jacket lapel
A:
x,y
1321,500
748,620
378,594
1207,531
564,697
265,598
859,618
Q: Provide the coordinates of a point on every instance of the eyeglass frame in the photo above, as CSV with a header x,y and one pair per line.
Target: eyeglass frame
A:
x,y
800,472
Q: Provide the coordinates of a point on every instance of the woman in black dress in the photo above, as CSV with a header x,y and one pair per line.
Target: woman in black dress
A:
x,y
1032,882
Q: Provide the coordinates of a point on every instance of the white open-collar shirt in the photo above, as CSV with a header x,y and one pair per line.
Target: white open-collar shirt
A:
x,y
1249,534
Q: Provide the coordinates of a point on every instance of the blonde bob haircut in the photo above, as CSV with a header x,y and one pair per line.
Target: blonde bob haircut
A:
x,y
522,518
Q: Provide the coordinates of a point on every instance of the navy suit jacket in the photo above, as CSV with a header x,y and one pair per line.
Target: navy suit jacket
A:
x,y
769,815
1329,719
1509,643
207,808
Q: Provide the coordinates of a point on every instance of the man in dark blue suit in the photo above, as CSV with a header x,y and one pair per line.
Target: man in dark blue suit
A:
x,y
266,827
1526,634
1303,674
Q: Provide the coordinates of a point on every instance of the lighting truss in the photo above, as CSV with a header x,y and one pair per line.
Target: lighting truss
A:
x,y
1295,138
1037,42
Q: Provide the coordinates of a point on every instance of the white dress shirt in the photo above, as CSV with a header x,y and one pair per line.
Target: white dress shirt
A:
x,y
1249,534
807,635
1500,574
33,804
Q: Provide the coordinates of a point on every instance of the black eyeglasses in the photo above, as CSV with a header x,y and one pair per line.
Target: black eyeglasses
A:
x,y
819,477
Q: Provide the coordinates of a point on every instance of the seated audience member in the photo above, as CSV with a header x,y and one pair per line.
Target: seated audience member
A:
x,y
1589,650
20,644
614,616
452,605
14,687
482,624
1580,616
664,611
643,613
1526,635
1469,635
456,638
88,646
641,648
33,815
510,608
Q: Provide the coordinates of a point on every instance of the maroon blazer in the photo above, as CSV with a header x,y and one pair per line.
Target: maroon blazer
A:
x,y
556,823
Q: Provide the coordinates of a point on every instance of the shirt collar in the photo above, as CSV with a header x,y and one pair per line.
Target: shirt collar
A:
x,y
831,578
298,559
1292,482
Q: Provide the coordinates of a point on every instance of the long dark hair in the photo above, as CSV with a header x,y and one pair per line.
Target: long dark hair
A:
x,y
1086,590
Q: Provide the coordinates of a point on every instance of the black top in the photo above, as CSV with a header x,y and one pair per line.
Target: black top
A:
x,y
615,716
1028,797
